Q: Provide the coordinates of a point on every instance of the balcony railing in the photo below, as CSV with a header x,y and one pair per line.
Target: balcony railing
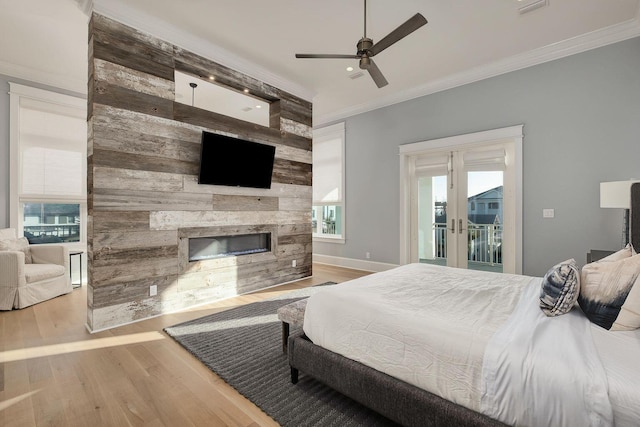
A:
x,y
484,243
52,233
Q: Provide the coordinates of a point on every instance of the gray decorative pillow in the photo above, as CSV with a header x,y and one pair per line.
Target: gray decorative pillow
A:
x,y
560,288
610,295
21,244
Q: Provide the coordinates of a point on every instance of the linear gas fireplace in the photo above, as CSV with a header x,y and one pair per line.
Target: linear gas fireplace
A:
x,y
201,248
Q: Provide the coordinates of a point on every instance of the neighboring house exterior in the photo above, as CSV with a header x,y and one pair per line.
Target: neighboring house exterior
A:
x,y
486,203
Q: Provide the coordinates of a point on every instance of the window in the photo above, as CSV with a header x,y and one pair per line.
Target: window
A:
x,y
328,183
48,149
494,205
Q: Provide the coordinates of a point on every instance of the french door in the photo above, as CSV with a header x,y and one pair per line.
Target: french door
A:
x,y
460,201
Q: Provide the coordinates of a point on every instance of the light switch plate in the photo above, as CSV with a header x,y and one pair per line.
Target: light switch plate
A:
x,y
548,213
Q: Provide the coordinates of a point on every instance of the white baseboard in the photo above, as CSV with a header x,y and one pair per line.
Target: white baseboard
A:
x,y
356,264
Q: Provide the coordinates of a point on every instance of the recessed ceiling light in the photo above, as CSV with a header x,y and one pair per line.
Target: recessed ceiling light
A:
x,y
349,69
212,78
246,91
258,106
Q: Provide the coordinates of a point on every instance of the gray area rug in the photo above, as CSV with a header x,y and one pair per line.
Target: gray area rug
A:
x,y
243,346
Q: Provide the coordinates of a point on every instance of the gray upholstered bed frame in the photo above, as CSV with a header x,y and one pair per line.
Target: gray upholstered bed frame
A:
x,y
393,398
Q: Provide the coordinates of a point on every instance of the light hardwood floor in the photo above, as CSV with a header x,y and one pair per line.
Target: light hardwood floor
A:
x,y
55,373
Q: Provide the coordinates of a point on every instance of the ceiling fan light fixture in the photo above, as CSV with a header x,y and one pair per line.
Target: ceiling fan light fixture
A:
x,y
365,62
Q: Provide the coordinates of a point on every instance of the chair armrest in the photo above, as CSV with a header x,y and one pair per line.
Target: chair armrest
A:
x,y
12,269
50,254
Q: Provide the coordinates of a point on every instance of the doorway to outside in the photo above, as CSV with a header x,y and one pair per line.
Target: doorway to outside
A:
x,y
461,201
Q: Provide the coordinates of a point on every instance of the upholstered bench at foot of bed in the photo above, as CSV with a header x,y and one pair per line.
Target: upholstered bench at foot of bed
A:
x,y
395,399
291,315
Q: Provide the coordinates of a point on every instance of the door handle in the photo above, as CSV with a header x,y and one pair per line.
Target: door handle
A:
x,y
453,226
460,226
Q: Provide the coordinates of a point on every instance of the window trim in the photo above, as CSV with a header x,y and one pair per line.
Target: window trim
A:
x,y
18,93
335,131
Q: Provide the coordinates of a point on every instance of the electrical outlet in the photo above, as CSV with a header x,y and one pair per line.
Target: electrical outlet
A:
x,y
367,255
294,263
153,290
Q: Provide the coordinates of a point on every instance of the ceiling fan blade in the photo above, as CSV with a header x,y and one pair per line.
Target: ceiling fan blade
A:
x,y
376,74
326,55
412,24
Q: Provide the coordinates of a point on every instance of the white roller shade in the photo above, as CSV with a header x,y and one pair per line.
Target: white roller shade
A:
x,y
328,167
52,148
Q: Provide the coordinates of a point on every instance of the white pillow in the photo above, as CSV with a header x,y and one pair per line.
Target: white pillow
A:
x,y
21,244
610,293
626,252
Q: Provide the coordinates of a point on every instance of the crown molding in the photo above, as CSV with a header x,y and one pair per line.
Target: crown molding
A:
x,y
44,77
121,12
572,46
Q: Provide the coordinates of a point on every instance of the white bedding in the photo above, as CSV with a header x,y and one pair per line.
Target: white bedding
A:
x,y
430,326
620,355
540,371
381,321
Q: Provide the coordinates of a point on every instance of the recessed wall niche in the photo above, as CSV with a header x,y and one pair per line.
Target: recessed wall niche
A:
x,y
216,98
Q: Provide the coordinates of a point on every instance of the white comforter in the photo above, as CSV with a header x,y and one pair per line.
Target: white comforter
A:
x,y
544,371
430,326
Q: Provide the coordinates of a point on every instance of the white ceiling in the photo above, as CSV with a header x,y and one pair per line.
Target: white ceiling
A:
x,y
464,41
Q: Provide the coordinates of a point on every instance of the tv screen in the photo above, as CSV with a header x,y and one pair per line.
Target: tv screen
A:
x,y
225,160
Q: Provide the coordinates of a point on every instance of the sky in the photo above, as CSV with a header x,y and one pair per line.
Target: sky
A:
x,y
478,182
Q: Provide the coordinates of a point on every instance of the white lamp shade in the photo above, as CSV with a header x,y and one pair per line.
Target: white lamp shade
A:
x,y
616,194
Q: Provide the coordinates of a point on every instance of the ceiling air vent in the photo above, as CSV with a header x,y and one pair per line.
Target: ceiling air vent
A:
x,y
532,5
247,109
356,75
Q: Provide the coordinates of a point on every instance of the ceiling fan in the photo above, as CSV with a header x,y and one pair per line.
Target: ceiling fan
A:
x,y
367,49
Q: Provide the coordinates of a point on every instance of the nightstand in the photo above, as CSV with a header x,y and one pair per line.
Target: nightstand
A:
x,y
596,254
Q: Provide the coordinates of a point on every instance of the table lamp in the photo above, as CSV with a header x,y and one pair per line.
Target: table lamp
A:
x,y
617,194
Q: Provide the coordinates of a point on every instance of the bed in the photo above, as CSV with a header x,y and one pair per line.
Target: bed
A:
x,y
481,353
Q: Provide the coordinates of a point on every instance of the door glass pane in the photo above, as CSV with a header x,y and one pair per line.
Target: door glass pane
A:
x,y
327,220
432,219
484,220
51,222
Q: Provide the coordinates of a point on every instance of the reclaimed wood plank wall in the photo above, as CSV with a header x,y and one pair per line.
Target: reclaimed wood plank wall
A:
x,y
143,197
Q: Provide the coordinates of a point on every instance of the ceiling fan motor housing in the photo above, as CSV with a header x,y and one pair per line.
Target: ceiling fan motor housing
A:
x,y
364,45
363,52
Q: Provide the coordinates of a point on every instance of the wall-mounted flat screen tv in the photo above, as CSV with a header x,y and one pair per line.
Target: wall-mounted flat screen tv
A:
x,y
235,162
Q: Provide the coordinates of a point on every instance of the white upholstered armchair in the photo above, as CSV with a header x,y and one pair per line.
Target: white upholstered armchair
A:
x,y
31,274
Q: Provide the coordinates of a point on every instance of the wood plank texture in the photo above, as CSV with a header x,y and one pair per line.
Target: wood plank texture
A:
x,y
144,200
120,44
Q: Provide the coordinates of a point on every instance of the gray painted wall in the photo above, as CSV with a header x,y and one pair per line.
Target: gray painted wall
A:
x,y
4,138
582,126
